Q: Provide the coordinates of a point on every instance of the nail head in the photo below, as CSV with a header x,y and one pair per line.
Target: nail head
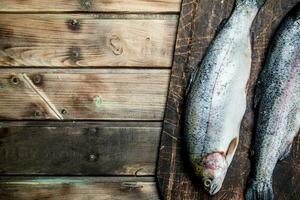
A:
x,y
92,157
37,79
64,111
15,80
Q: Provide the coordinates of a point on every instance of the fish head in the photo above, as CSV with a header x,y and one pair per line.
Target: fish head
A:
x,y
214,168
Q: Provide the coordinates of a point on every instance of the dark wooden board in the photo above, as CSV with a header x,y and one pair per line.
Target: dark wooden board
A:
x,y
198,24
87,40
95,94
79,148
78,188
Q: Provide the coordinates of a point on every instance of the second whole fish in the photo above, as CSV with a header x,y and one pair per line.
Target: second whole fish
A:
x,y
278,102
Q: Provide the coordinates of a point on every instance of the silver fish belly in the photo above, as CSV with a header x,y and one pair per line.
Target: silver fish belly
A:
x,y
278,102
216,102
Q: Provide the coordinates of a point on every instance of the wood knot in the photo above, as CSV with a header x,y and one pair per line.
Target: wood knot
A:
x,y
74,55
92,131
86,4
37,113
73,24
115,45
37,79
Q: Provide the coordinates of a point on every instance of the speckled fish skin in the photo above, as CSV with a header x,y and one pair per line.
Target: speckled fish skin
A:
x,y
278,103
216,101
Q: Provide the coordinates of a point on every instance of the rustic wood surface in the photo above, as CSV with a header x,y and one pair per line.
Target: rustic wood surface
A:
x,y
79,148
75,188
50,55
198,24
90,6
73,40
102,94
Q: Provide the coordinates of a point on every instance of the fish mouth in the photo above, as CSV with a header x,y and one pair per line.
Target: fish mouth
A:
x,y
213,189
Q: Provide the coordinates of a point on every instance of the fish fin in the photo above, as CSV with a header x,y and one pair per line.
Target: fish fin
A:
x,y
286,152
298,119
260,191
221,25
190,80
231,149
189,84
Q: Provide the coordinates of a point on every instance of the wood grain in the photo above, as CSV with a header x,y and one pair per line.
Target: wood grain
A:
x,y
97,40
198,24
99,94
74,188
90,6
79,148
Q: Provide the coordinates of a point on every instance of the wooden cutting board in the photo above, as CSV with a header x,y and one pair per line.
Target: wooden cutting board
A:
x,y
198,24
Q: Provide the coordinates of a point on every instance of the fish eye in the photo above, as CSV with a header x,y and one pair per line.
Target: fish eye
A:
x,y
207,182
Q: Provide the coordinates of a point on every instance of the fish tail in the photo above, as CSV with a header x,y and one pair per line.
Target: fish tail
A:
x,y
258,3
260,191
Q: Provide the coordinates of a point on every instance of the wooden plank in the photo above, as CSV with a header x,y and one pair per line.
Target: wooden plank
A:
x,y
198,24
83,188
153,6
79,148
101,94
97,40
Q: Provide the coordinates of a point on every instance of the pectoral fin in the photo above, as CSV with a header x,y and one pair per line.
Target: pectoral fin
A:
x,y
221,25
231,149
189,85
191,79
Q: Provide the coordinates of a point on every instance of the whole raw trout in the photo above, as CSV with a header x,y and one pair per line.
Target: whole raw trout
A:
x,y
278,102
216,100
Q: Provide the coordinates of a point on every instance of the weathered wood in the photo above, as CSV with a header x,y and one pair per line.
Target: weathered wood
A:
x,y
90,6
79,148
198,24
73,188
101,94
72,40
